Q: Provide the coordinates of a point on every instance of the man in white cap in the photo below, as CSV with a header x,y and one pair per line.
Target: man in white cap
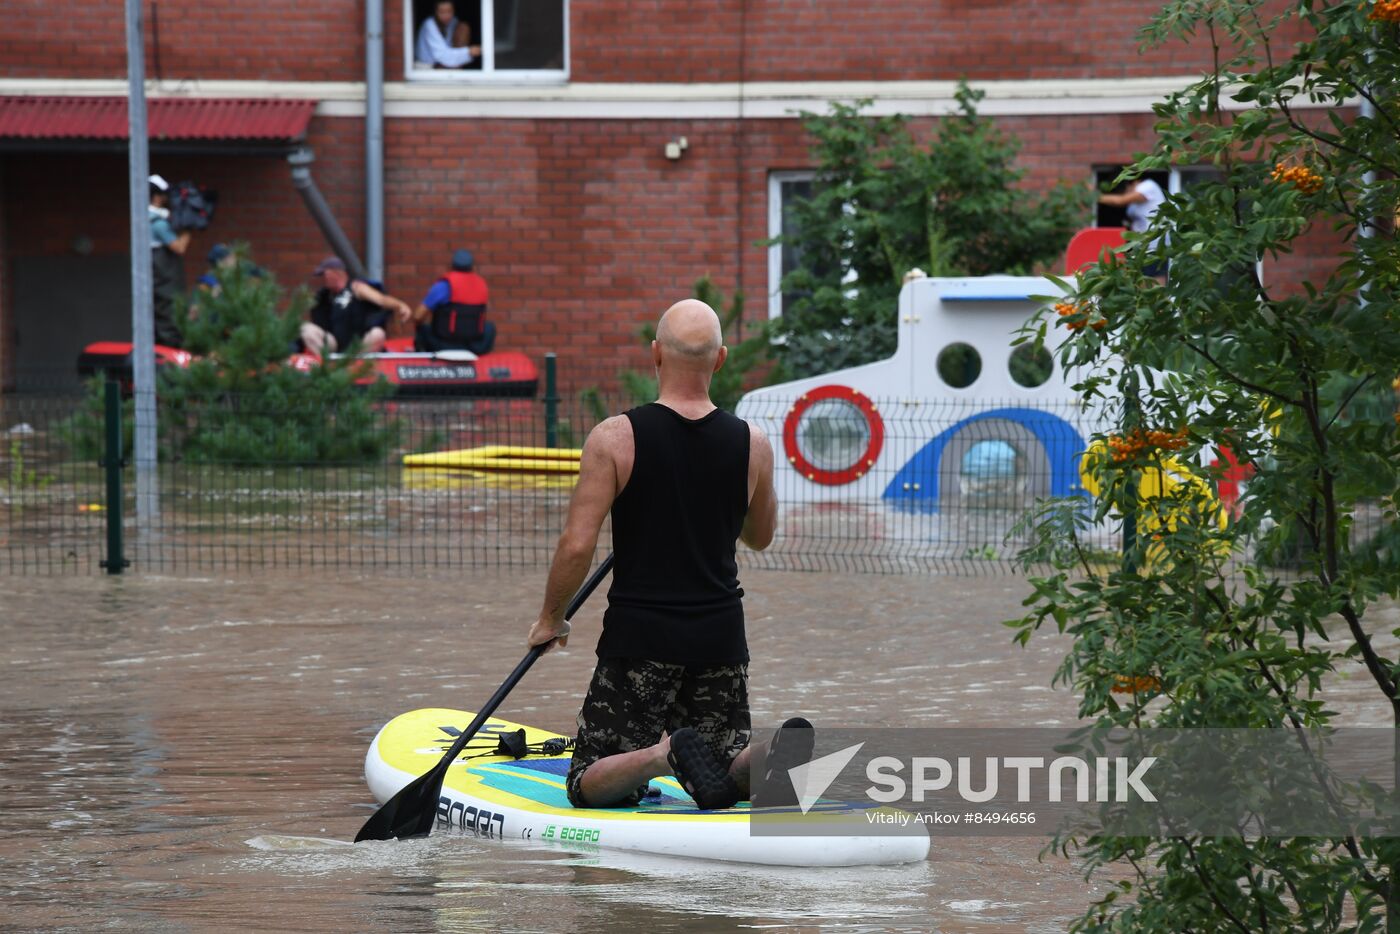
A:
x,y
168,248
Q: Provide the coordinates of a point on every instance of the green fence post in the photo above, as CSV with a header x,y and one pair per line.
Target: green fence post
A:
x,y
113,462
551,401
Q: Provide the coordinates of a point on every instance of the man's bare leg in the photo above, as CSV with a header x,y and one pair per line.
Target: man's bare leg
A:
x,y
739,771
373,341
316,340
613,778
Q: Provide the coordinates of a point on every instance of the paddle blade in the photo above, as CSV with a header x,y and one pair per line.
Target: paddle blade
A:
x,y
413,811
410,813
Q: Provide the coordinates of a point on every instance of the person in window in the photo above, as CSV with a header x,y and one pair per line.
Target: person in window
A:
x,y
347,310
168,248
444,41
1141,199
452,315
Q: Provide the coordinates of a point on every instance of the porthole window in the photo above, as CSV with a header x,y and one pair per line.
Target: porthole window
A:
x,y
1031,365
833,435
959,365
989,461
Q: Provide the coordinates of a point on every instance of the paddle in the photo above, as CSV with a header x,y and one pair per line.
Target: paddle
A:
x,y
413,811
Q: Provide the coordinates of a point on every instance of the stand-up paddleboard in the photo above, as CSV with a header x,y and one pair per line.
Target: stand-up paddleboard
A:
x,y
498,796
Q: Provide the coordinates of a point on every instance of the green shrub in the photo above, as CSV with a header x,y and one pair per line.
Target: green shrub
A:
x,y
1294,376
883,205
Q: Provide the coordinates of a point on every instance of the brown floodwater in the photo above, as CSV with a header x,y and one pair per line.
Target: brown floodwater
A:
x,y
186,755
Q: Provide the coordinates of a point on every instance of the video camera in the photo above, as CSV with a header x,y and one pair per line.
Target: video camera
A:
x,y
191,206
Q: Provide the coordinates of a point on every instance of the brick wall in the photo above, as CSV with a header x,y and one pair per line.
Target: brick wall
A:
x,y
583,229
619,40
269,40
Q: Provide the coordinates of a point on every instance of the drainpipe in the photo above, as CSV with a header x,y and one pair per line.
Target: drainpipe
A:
x,y
374,138
305,185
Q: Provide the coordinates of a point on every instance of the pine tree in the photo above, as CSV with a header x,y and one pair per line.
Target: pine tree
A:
x,y
239,402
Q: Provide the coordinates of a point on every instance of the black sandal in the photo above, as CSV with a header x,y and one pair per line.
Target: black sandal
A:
x,y
790,747
699,774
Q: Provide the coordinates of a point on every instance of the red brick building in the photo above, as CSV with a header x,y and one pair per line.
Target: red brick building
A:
x,y
548,157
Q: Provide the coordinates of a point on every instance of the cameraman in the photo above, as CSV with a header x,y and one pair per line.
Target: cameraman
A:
x,y
167,263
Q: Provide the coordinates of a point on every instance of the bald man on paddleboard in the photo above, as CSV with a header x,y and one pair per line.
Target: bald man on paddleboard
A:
x,y
684,481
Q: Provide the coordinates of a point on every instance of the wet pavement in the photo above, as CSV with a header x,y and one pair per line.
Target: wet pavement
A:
x,y
187,754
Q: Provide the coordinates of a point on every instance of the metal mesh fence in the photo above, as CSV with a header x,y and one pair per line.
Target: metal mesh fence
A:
x,y
908,485
51,494
901,486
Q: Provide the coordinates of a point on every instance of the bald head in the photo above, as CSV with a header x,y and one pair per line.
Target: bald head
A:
x,y
689,335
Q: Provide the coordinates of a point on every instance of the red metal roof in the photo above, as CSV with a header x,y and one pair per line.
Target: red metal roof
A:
x,y
182,118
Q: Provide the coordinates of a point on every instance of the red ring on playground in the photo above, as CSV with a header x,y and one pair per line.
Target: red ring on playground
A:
x,y
862,465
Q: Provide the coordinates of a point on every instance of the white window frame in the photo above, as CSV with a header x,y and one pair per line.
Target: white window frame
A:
x,y
775,229
487,73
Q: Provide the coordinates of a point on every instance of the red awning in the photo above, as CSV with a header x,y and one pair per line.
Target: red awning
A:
x,y
183,118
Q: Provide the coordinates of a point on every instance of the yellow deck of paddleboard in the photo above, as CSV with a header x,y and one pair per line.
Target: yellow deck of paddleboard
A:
x,y
415,741
501,457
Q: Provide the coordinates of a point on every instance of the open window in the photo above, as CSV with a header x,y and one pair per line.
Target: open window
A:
x,y
516,40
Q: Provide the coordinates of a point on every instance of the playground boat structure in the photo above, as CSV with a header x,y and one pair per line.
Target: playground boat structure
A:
x,y
937,451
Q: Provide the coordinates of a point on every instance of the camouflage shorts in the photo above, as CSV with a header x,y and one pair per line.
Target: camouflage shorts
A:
x,y
631,701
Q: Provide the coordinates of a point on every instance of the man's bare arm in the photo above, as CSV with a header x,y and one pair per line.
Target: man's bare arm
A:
x,y
367,292
1124,199
593,497
762,519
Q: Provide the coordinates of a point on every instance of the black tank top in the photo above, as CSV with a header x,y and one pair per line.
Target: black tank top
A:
x,y
341,314
675,594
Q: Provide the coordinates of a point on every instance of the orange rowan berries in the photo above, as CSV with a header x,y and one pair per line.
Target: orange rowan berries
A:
x,y
1128,684
1385,11
1077,316
1126,446
1299,176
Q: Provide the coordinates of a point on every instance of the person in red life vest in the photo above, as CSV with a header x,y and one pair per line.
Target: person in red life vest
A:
x,y
452,315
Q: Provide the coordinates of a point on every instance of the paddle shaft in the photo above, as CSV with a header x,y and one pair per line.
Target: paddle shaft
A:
x,y
514,677
418,799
